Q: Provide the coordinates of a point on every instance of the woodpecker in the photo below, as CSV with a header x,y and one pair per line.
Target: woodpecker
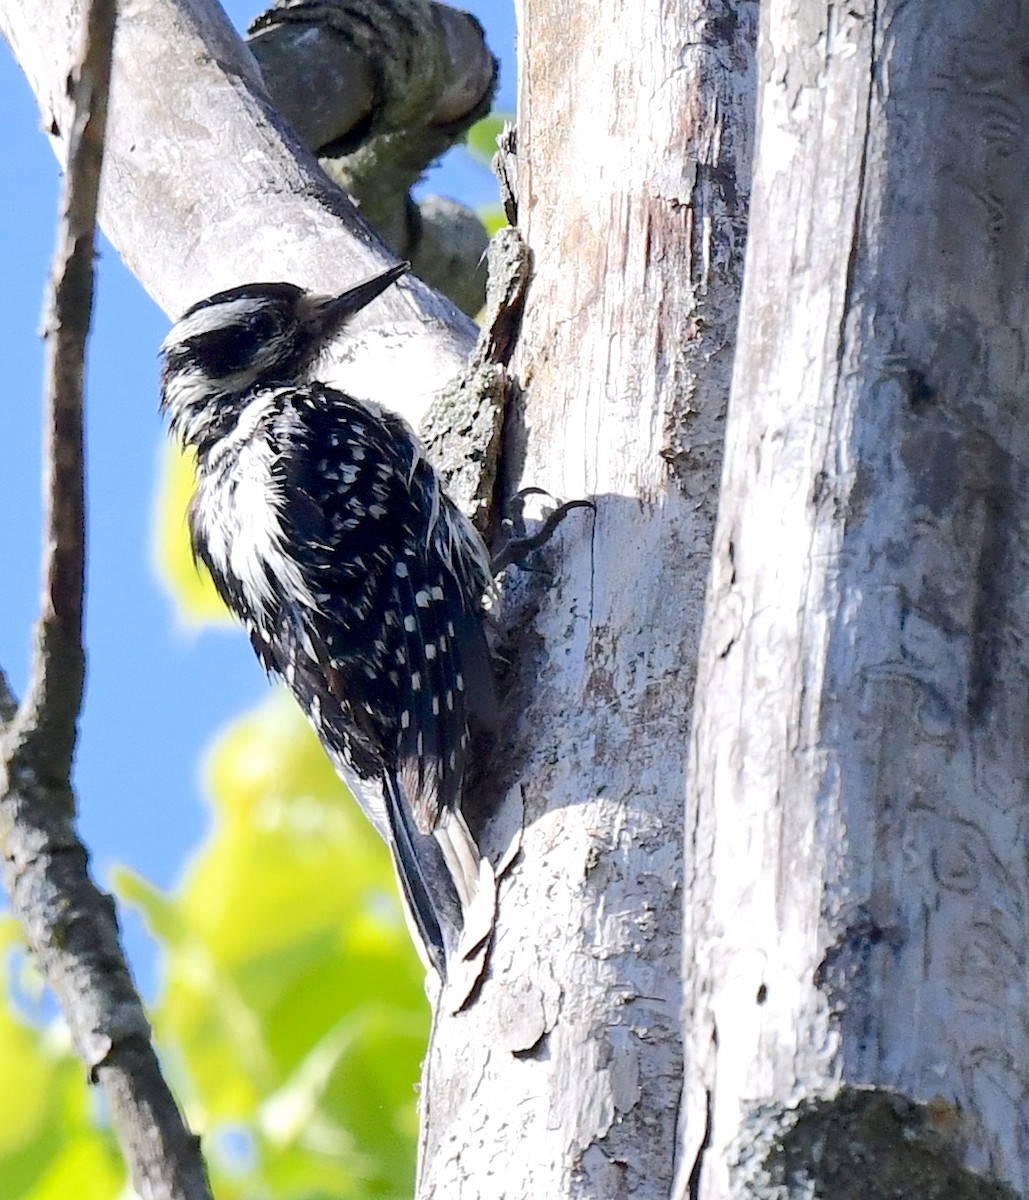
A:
x,y
360,583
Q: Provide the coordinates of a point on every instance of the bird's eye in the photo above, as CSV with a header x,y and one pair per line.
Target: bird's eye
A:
x,y
262,326
233,348
225,351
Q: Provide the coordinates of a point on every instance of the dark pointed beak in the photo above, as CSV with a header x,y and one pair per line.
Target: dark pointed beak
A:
x,y
329,314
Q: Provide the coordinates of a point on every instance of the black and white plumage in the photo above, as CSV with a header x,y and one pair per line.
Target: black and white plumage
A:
x,y
359,582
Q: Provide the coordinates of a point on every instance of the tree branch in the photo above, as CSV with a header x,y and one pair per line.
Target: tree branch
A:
x,y
378,90
200,167
69,924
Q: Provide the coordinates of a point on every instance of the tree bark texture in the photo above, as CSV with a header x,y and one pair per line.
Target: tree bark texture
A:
x,y
856,975
562,1076
206,187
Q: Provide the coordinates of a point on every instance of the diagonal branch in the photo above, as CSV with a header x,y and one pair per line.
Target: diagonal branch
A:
x,y
69,924
200,168
378,90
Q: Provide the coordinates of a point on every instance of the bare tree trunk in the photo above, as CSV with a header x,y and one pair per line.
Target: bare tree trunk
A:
x,y
563,1076
855,896
856,904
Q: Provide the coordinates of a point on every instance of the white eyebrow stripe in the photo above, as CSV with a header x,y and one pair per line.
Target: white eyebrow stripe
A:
x,y
215,316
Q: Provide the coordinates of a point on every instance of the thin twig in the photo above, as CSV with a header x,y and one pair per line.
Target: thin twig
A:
x,y
70,925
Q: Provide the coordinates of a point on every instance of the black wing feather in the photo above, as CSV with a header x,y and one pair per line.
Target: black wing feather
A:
x,y
401,611
378,630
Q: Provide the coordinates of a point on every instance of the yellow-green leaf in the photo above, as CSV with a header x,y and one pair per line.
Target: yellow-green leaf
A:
x,y
292,1013
188,583
482,137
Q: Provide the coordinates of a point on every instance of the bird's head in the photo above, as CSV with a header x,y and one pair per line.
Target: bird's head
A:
x,y
256,335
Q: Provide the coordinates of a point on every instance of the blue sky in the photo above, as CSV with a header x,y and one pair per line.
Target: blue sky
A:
x,y
156,693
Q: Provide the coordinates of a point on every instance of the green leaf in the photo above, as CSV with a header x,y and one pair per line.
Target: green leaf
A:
x,y
84,1167
493,218
482,137
292,1006
50,1148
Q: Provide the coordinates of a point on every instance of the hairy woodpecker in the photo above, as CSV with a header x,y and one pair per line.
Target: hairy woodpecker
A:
x,y
359,582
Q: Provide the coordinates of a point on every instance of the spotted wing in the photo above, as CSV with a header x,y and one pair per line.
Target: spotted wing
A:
x,y
394,610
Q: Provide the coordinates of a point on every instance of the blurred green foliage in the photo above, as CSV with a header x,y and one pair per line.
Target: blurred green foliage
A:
x,y
291,1016
196,601
49,1137
481,144
482,137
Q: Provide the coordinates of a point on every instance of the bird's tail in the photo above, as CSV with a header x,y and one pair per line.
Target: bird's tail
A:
x,y
431,901
447,885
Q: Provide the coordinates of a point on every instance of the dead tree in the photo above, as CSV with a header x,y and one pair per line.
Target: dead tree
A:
x,y
846,1015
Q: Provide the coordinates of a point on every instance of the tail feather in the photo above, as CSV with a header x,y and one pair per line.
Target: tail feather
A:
x,y
433,907
461,854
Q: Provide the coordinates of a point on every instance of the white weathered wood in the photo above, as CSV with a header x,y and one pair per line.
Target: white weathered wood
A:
x,y
857,911
562,1077
205,187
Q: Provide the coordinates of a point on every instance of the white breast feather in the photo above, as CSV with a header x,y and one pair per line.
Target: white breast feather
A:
x,y
239,506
